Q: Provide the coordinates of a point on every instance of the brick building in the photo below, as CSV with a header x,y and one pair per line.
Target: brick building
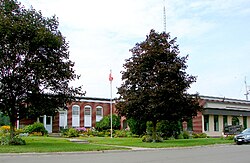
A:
x,y
85,112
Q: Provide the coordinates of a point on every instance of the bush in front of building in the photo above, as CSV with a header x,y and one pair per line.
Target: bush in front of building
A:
x,y
36,127
71,132
137,127
104,124
149,138
5,137
184,135
200,135
5,140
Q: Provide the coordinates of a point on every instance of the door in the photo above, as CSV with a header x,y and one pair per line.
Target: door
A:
x,y
87,116
48,124
75,116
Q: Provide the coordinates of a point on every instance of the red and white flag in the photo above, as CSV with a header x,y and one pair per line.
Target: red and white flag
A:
x,y
110,76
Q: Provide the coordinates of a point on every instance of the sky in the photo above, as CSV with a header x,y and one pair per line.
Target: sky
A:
x,y
215,34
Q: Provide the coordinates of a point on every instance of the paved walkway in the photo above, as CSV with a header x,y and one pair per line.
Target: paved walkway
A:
x,y
75,140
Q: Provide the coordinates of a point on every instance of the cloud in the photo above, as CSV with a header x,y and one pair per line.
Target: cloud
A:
x,y
100,33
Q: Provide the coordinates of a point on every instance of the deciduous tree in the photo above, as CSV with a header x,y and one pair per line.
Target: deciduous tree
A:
x,y
35,69
155,82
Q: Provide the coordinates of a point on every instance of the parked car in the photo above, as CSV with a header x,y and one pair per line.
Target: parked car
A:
x,y
243,137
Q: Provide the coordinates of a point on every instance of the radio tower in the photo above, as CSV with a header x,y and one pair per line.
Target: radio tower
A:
x,y
164,16
247,91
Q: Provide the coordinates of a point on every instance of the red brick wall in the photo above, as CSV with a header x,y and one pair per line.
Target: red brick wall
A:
x,y
197,123
93,105
55,123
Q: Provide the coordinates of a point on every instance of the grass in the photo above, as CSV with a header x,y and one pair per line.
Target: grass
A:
x,y
51,144
136,142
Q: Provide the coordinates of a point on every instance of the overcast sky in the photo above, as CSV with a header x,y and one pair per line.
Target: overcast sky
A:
x,y
214,33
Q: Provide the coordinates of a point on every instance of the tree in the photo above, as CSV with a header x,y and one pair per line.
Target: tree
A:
x,y
155,83
35,69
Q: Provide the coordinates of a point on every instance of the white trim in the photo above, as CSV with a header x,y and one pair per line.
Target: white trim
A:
x,y
96,101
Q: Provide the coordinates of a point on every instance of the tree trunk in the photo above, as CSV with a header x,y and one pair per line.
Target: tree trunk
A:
x,y
12,129
154,131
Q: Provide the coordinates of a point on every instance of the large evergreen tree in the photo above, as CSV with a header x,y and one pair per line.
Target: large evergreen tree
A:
x,y
35,69
155,83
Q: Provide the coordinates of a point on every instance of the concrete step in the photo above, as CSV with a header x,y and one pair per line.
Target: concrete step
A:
x,y
55,134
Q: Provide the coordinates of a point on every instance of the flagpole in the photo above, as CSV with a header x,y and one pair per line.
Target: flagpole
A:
x,y
111,123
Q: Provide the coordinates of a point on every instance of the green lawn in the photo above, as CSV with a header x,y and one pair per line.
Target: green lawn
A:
x,y
136,142
50,144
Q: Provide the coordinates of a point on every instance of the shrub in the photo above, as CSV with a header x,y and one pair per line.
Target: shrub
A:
x,y
5,140
149,138
104,124
165,129
122,133
4,129
71,132
200,135
81,130
17,141
36,127
229,137
185,134
136,126
168,128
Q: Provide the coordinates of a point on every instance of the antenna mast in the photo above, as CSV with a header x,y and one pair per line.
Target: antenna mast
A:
x,y
247,91
164,16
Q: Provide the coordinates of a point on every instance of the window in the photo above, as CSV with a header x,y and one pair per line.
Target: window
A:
x,y
99,113
87,110
75,116
48,120
75,110
216,123
225,121
245,122
87,116
206,122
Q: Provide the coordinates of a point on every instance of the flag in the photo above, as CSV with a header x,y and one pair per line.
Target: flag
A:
x,y
110,77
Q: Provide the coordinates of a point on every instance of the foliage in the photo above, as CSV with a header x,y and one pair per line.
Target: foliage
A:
x,y
165,129
6,140
4,120
229,137
81,129
4,129
137,127
71,132
149,138
199,135
104,124
186,134
35,69
168,128
155,83
35,129
123,133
